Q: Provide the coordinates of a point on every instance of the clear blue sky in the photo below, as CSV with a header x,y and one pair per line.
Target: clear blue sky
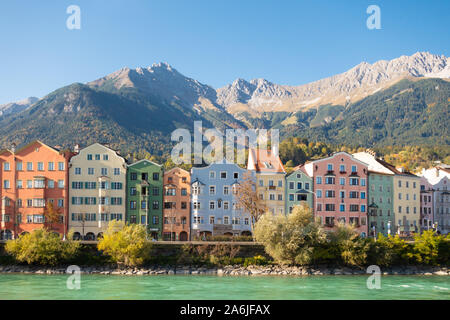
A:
x,y
215,42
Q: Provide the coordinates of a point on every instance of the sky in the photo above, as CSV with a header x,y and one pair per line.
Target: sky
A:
x,y
213,41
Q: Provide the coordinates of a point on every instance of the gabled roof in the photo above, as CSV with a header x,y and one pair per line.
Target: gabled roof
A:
x,y
196,181
143,160
177,168
300,168
264,161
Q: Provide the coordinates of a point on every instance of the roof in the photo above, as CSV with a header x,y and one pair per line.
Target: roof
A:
x,y
395,170
143,160
299,168
264,161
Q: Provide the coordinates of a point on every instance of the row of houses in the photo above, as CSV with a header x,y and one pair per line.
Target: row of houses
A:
x,y
82,190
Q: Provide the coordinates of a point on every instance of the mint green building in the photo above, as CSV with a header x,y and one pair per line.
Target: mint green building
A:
x,y
299,188
145,196
380,200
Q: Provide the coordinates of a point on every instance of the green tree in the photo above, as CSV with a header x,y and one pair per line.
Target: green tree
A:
x,y
42,247
426,248
290,239
125,244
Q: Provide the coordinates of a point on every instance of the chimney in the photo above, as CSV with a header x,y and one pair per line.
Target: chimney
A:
x,y
13,147
76,148
401,169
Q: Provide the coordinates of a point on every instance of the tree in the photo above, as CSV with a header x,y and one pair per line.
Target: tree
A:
x,y
42,247
248,200
51,216
290,239
125,244
426,248
349,247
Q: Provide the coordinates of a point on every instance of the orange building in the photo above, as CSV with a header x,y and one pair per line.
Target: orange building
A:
x,y
177,208
33,180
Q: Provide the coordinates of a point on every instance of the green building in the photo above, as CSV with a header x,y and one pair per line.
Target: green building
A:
x,y
299,188
145,196
380,202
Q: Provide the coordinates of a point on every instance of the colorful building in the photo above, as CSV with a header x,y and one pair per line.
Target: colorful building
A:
x,y
214,209
97,190
380,195
34,189
145,196
340,189
426,205
299,188
177,206
270,178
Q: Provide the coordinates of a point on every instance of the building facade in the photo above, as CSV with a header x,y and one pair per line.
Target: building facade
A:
x,y
145,196
177,206
34,189
97,190
426,205
299,189
270,178
214,208
442,205
340,189
380,195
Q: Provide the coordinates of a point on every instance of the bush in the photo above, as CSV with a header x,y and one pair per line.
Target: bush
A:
x,y
429,248
347,246
126,244
290,239
42,247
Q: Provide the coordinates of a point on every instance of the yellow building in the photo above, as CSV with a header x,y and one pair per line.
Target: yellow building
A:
x,y
270,178
97,188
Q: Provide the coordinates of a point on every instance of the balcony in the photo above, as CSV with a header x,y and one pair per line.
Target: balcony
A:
x,y
272,188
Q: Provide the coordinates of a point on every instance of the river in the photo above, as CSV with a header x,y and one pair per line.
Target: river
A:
x,y
172,287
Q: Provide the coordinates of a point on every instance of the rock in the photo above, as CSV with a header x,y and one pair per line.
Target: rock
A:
x,y
440,273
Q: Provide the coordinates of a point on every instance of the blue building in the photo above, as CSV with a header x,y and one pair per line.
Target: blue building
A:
x,y
213,201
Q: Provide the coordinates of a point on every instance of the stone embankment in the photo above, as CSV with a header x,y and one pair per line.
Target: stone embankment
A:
x,y
227,270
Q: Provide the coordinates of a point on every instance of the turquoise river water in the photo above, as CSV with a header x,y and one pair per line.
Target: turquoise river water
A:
x,y
173,287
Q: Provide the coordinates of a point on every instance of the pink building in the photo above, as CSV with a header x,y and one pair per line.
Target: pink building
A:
x,y
340,189
426,204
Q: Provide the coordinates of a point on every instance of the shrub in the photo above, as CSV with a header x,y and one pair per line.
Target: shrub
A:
x,y
290,239
125,244
42,247
428,247
347,246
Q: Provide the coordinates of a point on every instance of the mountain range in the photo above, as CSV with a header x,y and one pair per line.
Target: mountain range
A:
x,y
401,101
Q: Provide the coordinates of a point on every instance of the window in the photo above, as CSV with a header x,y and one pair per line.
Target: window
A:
x,y
342,181
319,193
399,196
104,171
6,166
104,217
236,175
51,184
354,181
29,166
155,205
143,204
226,190
183,191
29,203
271,196
226,220
299,185
330,167
280,197
195,190
212,190
342,207
90,200
329,194
77,171
363,208
198,219
211,205
196,205
117,201
89,156
399,183
116,171
97,157
133,205
212,174
354,208
105,157
353,195
61,166
363,182
306,186
261,183
61,203
184,205
155,176
19,184
414,185
40,166
319,180
354,169
155,219
329,207
133,176
363,196
61,184
6,184
407,184
143,219
226,205
19,166
280,183
211,220
116,185
342,194
77,185
39,203
342,168
91,171
270,183
291,185
223,175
